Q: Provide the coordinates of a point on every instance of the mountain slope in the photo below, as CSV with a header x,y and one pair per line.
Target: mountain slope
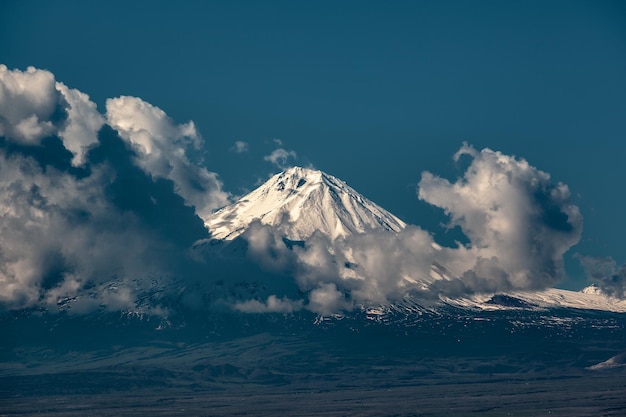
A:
x,y
300,201
589,298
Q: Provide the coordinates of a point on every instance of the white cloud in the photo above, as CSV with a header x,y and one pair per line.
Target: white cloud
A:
x,y
34,106
280,156
510,211
374,267
327,299
266,247
59,234
28,101
80,132
30,130
161,148
272,305
240,147
387,264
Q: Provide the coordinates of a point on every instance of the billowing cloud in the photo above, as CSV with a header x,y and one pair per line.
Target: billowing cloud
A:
x,y
79,134
517,220
372,267
161,148
326,299
606,274
28,104
60,234
103,235
34,106
266,247
240,147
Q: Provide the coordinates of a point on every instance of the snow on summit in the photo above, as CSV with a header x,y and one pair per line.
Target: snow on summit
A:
x,y
300,201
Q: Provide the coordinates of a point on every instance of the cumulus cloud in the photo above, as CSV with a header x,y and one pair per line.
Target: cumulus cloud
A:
x,y
280,156
516,219
80,132
161,147
60,234
28,103
240,147
372,267
34,106
606,274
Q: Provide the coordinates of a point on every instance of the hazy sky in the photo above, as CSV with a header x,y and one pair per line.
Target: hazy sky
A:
x,y
371,92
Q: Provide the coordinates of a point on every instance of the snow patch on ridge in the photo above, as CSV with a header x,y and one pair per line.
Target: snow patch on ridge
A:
x,y
617,361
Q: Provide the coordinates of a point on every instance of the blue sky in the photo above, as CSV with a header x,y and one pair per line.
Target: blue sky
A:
x,y
371,92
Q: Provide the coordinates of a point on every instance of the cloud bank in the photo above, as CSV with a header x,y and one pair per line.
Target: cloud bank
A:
x,y
87,212
96,208
517,221
61,233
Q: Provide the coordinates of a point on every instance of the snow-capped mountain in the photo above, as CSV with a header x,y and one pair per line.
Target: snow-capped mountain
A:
x,y
547,302
589,298
300,201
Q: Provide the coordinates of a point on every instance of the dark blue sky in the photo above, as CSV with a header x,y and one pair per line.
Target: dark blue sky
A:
x,y
371,92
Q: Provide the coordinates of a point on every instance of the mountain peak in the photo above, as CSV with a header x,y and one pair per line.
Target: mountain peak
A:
x,y
300,201
302,171
295,177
